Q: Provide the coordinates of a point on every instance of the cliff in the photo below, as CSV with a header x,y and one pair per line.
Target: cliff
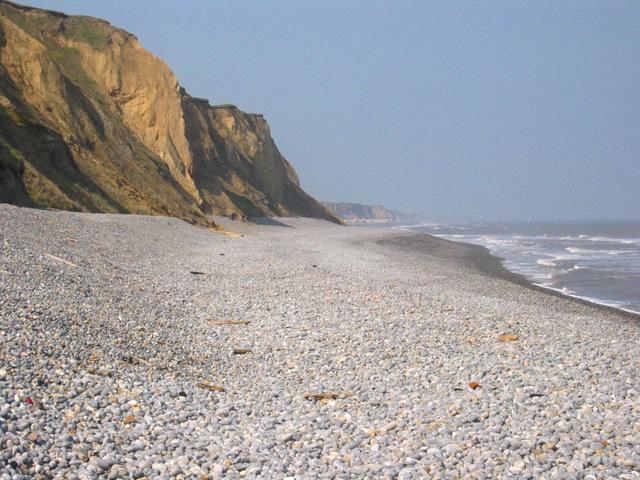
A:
x,y
91,121
355,212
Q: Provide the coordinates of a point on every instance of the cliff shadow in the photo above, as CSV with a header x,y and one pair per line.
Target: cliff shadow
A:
x,y
271,222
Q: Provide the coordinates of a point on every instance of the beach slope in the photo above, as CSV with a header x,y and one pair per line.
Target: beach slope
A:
x,y
139,346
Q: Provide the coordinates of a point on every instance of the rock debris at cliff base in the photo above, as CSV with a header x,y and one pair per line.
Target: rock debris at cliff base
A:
x,y
380,362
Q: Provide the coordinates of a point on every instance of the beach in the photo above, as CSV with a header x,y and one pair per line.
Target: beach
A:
x,y
145,347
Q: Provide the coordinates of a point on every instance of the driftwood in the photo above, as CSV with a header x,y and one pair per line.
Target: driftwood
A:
x,y
508,337
326,395
241,351
58,259
211,387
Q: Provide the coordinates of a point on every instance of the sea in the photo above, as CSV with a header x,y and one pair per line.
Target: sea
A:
x,y
595,261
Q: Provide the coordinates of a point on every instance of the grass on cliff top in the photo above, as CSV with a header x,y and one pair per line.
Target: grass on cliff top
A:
x,y
82,29
31,26
43,26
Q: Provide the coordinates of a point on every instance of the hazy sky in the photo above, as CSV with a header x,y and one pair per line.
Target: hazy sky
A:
x,y
509,109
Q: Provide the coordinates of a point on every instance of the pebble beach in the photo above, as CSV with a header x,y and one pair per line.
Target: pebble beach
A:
x,y
144,347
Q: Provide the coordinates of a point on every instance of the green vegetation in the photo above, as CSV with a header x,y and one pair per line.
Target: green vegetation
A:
x,y
31,26
44,29
81,29
10,114
10,158
45,193
244,204
68,60
100,203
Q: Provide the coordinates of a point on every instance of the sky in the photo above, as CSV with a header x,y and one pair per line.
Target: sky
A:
x,y
509,110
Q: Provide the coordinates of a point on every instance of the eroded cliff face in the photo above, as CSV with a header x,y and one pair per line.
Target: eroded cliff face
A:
x,y
355,212
91,121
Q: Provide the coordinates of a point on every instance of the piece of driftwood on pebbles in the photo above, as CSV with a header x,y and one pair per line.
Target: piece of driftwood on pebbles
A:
x,y
326,395
211,387
241,351
62,260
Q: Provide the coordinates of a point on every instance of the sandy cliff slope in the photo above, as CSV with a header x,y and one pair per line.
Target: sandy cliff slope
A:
x,y
91,121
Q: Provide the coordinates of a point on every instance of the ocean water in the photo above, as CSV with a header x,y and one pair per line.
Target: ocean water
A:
x,y
596,261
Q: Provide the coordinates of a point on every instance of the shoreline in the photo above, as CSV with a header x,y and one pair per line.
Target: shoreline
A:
x,y
483,260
